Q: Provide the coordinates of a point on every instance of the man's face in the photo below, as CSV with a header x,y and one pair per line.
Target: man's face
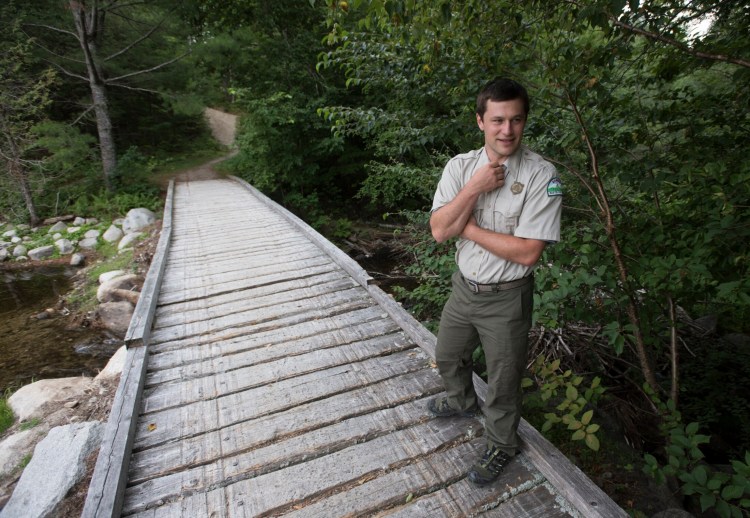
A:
x,y
502,124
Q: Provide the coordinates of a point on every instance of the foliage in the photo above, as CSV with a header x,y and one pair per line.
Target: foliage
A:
x,y
6,414
728,493
571,401
109,206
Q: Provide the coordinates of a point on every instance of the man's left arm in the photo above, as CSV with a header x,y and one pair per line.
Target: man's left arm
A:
x,y
511,248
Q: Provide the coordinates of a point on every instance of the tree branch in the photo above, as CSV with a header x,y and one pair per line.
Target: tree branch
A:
x,y
52,28
136,42
157,67
134,88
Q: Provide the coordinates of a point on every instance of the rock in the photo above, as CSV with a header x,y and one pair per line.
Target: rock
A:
x,y
73,230
114,365
28,401
77,260
57,227
93,233
88,243
92,221
136,219
14,448
108,276
112,234
113,289
10,233
16,239
79,221
116,316
3,254
64,246
58,463
128,240
43,252
57,236
19,251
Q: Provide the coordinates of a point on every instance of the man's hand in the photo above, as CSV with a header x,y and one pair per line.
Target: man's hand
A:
x,y
489,177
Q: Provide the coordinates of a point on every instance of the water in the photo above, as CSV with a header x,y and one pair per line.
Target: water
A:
x,y
32,348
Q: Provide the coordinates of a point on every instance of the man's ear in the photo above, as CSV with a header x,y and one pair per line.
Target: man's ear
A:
x,y
480,123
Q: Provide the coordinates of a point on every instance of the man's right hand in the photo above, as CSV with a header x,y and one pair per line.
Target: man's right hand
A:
x,y
489,177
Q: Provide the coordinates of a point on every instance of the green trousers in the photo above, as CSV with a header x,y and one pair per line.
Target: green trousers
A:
x,y
501,322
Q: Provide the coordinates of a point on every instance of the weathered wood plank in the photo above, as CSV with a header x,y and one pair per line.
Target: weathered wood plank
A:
x,y
148,488
248,300
284,488
184,352
538,502
217,384
402,488
227,332
180,446
107,487
287,350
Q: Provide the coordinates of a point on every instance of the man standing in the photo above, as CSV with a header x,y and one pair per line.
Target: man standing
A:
x,y
503,202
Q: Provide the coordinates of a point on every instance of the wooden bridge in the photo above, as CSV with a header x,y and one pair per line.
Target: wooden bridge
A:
x,y
267,376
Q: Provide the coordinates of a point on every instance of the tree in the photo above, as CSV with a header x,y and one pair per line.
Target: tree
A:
x,y
99,30
24,97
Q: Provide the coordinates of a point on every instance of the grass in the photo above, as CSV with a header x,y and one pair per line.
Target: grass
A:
x,y
6,414
31,423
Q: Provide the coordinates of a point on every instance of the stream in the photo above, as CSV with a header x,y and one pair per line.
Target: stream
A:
x,y
35,344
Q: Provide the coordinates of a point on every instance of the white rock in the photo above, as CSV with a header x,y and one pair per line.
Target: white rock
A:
x,y
108,276
112,234
64,246
107,291
114,365
57,236
3,254
92,233
57,465
88,243
136,219
19,251
57,227
79,221
73,229
10,233
14,448
128,240
116,316
43,252
77,260
27,401
92,221
16,239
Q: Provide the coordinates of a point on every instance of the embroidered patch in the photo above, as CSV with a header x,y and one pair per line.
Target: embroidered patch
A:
x,y
555,187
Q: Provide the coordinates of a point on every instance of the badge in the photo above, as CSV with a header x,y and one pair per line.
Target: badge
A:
x,y
555,187
516,188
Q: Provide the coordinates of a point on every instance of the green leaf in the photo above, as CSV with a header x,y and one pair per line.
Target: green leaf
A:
x,y
578,435
571,393
707,501
701,475
732,492
592,442
691,429
586,419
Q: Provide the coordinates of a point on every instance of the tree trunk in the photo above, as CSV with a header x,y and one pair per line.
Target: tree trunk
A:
x,y
18,174
88,24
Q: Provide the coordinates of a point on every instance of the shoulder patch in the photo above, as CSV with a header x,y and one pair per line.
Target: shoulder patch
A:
x,y
555,187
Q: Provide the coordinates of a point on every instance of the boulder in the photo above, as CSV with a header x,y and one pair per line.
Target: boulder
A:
x,y
88,243
108,276
136,219
43,252
79,221
27,402
64,246
128,240
57,227
77,260
114,365
58,463
19,251
116,316
3,254
10,233
112,234
93,233
124,287
14,448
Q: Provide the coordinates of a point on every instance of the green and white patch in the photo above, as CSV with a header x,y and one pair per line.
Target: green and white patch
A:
x,y
555,187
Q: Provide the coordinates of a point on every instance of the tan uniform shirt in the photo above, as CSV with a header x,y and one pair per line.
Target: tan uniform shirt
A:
x,y
528,205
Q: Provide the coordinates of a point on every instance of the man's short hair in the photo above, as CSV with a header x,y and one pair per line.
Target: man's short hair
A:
x,y
501,89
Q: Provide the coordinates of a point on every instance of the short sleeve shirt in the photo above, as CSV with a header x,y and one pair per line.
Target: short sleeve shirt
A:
x,y
528,205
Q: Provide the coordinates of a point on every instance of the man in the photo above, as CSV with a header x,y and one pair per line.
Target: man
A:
x,y
503,202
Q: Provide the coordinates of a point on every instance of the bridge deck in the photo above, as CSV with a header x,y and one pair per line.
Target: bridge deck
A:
x,y
277,381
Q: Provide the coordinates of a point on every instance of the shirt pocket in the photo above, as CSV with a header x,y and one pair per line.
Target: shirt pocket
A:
x,y
506,221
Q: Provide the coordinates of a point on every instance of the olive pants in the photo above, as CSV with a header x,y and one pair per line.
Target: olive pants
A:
x,y
501,322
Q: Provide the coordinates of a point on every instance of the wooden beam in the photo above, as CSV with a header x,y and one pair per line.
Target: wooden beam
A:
x,y
140,324
107,487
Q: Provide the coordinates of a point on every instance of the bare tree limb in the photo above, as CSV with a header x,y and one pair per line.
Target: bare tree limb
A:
x,y
136,42
52,28
145,71
68,73
82,115
134,88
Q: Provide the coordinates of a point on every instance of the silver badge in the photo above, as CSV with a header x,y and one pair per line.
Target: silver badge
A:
x,y
516,188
